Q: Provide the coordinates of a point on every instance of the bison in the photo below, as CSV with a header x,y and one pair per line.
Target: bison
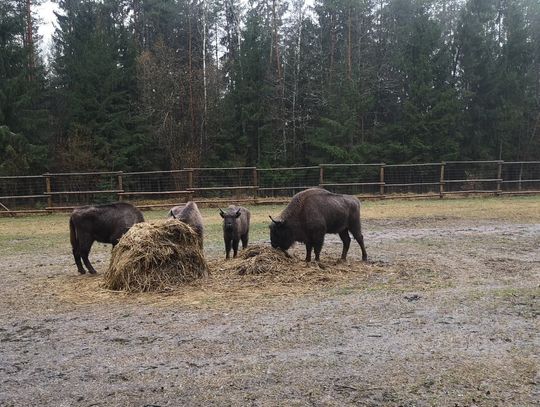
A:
x,y
103,223
189,214
313,213
235,228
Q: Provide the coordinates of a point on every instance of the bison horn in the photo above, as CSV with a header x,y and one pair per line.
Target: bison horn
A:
x,y
278,222
221,213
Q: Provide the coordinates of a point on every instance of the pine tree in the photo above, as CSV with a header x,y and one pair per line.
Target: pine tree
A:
x,y
515,84
172,76
477,42
430,104
95,90
23,114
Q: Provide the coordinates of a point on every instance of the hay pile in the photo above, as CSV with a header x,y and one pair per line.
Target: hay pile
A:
x,y
259,260
156,256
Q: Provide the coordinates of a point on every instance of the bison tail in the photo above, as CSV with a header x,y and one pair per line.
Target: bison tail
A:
x,y
73,235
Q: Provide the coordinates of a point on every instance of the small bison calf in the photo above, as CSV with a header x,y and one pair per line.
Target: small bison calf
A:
x,y
235,228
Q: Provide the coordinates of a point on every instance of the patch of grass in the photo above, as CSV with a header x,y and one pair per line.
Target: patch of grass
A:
x,y
33,233
515,292
517,208
51,232
346,290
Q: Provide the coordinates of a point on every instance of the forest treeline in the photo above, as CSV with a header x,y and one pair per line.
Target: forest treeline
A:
x,y
168,84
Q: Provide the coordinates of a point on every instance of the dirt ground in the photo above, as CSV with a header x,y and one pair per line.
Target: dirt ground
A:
x,y
445,313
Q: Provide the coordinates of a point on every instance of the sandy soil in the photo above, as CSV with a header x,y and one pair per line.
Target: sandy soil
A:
x,y
444,314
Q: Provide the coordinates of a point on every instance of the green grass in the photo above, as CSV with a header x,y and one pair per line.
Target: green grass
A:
x,y
50,233
33,233
515,208
39,233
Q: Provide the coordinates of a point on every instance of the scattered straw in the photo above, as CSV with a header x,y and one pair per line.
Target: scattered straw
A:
x,y
156,256
258,273
226,287
260,260
264,260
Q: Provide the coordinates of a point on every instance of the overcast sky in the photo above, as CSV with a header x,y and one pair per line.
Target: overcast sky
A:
x,y
45,13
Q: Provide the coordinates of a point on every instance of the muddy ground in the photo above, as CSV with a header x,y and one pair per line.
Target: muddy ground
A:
x,y
444,314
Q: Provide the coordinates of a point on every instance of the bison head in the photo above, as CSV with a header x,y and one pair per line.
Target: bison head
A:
x,y
281,235
229,218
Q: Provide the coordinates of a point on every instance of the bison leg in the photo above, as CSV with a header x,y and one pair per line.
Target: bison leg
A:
x,y
78,262
360,239
235,246
309,247
245,239
87,263
227,248
85,246
346,239
317,247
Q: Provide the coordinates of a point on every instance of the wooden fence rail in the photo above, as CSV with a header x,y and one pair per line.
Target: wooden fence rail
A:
x,y
63,191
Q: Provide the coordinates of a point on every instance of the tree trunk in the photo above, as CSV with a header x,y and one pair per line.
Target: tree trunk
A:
x,y
279,76
29,40
296,79
332,48
137,30
349,46
205,92
275,39
190,68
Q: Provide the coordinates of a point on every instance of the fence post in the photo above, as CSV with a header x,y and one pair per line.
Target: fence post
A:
x,y
190,178
321,175
120,186
441,181
499,176
520,175
48,189
255,184
381,179
190,183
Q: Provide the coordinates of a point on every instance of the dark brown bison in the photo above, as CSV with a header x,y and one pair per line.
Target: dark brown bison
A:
x,y
102,223
235,228
313,213
189,214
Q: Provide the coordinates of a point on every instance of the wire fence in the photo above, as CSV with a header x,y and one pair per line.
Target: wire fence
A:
x,y
285,182
63,191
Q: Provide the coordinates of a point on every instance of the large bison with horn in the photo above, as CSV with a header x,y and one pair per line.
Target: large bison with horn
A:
x,y
313,213
103,223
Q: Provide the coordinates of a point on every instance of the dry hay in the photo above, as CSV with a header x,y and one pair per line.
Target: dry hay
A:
x,y
266,274
156,256
262,260
262,272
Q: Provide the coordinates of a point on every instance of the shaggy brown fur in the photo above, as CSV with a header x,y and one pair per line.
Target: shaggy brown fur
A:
x,y
313,213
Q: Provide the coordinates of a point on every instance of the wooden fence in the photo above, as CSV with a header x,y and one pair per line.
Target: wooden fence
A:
x,y
64,191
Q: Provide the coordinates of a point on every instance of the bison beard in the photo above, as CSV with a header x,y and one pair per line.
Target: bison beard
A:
x,y
313,213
